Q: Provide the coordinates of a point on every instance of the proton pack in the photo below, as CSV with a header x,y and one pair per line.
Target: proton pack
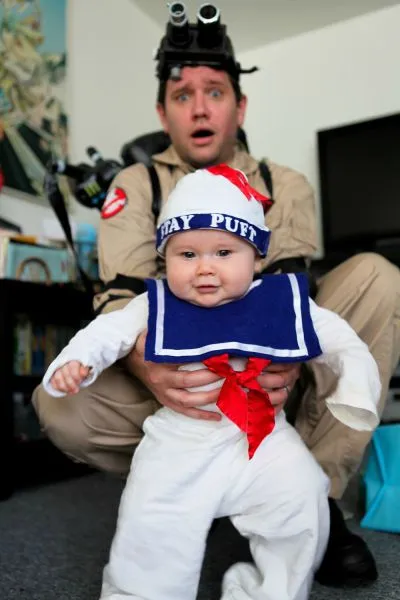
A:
x,y
90,183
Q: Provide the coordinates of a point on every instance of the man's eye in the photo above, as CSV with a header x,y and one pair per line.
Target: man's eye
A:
x,y
224,252
183,97
215,93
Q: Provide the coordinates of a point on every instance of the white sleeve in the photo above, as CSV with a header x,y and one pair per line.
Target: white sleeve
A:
x,y
106,339
354,401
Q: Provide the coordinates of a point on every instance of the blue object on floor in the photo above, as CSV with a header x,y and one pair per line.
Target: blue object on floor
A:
x,y
382,480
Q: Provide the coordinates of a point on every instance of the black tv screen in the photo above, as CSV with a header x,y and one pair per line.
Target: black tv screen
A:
x,y
359,167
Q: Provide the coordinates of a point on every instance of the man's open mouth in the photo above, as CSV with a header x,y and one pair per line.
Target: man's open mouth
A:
x,y
202,133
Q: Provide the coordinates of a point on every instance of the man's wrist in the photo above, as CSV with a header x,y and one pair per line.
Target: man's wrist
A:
x,y
128,364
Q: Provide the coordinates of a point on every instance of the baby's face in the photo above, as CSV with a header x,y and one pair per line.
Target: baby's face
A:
x,y
209,268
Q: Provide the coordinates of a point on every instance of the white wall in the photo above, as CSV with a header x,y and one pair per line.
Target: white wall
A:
x,y
111,91
343,73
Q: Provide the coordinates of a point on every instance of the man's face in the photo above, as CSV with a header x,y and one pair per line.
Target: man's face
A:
x,y
201,115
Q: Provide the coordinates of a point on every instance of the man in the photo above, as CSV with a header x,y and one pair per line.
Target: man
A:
x,y
201,111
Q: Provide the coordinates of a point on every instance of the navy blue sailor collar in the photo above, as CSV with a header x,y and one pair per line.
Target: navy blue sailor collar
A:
x,y
271,321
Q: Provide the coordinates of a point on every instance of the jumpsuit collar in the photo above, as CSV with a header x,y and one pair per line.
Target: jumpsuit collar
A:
x,y
241,160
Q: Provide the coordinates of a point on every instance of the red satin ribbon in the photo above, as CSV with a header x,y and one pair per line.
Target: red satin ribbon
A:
x,y
251,411
240,180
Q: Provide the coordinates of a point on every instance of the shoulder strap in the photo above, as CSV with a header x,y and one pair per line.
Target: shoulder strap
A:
x,y
267,177
155,190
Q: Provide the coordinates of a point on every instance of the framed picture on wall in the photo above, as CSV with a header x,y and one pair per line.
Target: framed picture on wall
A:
x,y
33,120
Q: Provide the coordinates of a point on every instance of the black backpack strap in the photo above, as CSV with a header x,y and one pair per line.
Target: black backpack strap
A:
x,y
155,190
267,177
125,282
121,282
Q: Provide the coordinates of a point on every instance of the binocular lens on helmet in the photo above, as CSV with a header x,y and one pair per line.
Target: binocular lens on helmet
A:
x,y
178,24
208,25
208,13
177,14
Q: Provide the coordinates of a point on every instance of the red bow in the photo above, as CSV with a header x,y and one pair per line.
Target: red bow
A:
x,y
252,412
240,180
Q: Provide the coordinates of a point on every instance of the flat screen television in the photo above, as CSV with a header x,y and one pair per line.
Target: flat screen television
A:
x,y
359,168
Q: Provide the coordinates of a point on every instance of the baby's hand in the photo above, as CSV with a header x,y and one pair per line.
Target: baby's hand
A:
x,y
69,377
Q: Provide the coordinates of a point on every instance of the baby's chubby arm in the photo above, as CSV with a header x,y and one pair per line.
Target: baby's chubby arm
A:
x,y
105,340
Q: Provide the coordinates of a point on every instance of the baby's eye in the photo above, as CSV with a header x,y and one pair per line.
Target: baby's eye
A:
x,y
224,252
188,254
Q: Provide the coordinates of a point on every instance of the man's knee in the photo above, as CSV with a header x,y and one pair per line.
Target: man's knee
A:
x,y
102,424
361,275
59,420
365,291
383,275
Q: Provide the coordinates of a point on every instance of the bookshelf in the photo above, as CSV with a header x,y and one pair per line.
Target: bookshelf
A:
x,y
28,457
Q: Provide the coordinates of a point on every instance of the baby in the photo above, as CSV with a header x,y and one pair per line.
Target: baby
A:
x,y
250,465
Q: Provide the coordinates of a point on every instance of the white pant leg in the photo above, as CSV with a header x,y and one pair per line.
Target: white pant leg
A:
x,y
280,504
176,483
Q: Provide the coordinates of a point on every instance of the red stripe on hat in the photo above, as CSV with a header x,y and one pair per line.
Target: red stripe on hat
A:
x,y
240,180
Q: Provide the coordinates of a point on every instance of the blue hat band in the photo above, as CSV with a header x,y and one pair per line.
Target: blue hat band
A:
x,y
259,238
